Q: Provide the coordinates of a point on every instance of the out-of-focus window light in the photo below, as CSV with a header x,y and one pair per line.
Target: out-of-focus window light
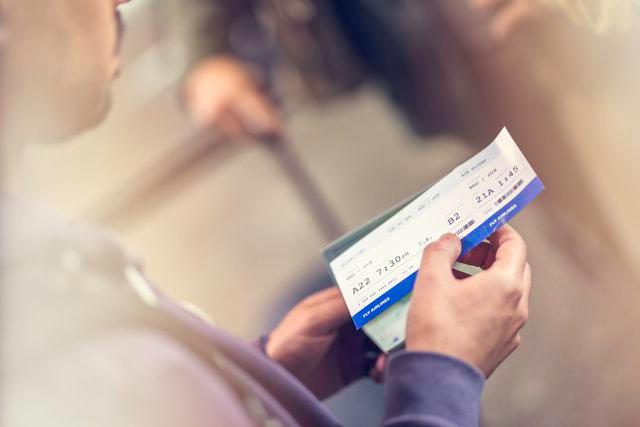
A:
x,y
602,15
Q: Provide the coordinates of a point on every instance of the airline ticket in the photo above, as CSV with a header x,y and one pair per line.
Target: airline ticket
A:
x,y
376,265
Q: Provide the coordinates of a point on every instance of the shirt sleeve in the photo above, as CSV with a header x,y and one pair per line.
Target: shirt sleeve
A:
x,y
126,378
429,389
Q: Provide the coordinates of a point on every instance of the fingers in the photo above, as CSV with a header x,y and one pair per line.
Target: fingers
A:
x,y
203,111
228,124
526,295
326,310
511,251
320,297
331,315
438,258
222,92
256,114
238,118
377,371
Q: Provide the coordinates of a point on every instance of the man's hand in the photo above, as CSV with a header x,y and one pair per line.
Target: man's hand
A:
x,y
222,93
476,319
318,344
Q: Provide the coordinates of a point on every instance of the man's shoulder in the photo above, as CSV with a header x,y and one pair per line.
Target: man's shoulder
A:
x,y
144,376
59,279
31,230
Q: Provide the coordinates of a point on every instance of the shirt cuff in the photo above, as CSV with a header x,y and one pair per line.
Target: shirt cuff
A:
x,y
260,344
423,385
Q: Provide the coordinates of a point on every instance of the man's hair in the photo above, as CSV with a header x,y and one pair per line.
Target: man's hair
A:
x,y
601,15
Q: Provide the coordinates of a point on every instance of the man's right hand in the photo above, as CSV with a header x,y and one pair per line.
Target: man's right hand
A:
x,y
476,319
222,93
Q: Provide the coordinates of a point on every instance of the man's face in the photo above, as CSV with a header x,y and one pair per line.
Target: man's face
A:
x,y
60,59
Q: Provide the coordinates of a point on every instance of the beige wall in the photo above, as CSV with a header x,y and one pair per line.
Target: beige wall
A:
x,y
571,98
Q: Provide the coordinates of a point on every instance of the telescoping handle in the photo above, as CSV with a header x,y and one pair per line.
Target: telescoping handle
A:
x,y
315,201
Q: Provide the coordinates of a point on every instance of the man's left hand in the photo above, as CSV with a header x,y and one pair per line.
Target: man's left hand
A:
x,y
319,345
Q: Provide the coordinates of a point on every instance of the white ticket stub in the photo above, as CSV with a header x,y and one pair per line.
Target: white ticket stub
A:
x,y
376,265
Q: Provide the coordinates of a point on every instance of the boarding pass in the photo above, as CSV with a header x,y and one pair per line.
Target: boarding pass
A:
x,y
376,265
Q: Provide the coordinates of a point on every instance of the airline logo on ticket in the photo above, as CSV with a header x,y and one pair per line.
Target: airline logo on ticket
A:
x,y
473,201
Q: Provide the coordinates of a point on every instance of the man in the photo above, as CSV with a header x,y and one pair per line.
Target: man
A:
x,y
239,49
87,340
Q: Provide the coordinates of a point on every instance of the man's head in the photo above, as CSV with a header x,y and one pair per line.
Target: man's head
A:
x,y
58,61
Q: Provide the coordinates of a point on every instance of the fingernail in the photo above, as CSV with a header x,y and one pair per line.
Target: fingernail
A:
x,y
449,238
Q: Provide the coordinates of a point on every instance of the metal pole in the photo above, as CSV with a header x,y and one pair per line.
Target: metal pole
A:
x,y
316,203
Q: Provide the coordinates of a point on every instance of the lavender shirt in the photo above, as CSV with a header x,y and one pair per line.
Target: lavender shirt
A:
x,y
71,357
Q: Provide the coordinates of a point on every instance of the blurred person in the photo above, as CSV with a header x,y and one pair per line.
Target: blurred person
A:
x,y
333,46
239,47
88,341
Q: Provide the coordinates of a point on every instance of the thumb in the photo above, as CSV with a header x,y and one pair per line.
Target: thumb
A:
x,y
438,258
377,371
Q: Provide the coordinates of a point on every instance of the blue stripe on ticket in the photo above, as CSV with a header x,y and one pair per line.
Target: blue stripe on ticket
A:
x,y
380,304
508,211
470,241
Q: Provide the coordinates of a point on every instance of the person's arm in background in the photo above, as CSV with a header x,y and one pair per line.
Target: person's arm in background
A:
x,y
458,331
222,90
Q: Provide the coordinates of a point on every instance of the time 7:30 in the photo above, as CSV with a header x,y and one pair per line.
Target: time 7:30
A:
x,y
388,265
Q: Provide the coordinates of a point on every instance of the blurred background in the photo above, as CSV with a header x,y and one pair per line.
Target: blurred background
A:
x,y
377,101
